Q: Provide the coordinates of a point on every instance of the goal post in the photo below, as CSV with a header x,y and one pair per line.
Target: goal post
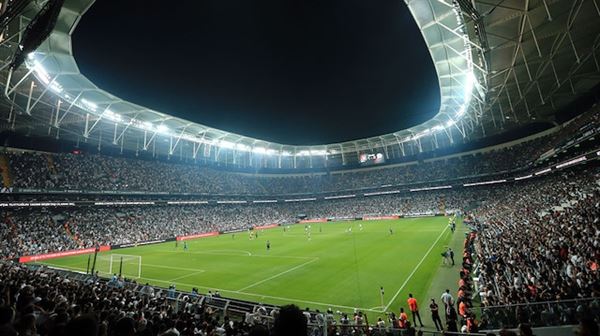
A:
x,y
128,265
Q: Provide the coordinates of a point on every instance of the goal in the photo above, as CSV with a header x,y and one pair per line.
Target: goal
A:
x,y
129,265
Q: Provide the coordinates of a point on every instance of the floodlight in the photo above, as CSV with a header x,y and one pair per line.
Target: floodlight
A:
x,y
162,128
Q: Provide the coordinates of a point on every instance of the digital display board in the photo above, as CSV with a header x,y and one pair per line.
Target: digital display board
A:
x,y
371,159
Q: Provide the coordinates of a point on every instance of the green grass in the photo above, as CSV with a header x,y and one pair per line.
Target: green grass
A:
x,y
334,269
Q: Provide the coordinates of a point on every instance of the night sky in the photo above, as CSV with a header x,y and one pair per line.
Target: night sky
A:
x,y
294,72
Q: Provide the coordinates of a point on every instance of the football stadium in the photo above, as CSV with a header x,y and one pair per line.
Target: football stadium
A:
x,y
122,215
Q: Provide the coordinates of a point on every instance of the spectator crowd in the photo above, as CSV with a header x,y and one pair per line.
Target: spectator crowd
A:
x,y
532,241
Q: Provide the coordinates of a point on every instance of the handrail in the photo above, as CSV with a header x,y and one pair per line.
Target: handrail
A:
x,y
565,301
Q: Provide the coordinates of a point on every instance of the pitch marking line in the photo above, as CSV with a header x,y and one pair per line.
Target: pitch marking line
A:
x,y
187,275
415,269
265,296
171,267
235,292
278,274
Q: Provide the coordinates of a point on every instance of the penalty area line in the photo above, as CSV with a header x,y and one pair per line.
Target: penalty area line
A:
x,y
187,275
324,304
416,268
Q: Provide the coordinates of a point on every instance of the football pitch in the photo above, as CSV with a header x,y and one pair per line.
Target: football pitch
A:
x,y
335,268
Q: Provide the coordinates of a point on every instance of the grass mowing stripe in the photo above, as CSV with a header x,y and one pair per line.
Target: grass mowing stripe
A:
x,y
416,268
244,255
384,258
278,274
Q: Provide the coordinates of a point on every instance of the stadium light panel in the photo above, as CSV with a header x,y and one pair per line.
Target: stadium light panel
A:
x,y
483,183
431,188
190,137
389,192
318,152
54,86
450,123
112,115
162,128
571,162
41,72
339,196
125,203
543,171
300,199
187,202
226,144
242,147
147,125
264,201
259,150
88,104
469,84
523,177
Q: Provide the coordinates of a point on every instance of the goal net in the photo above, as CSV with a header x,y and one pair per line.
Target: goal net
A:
x,y
129,266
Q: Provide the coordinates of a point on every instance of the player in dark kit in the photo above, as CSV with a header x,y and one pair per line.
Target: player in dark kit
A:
x,y
268,245
435,315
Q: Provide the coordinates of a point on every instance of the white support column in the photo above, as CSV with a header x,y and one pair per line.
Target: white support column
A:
x,y
69,108
115,133
28,108
171,146
122,138
37,100
58,103
295,152
87,124
146,144
537,46
573,47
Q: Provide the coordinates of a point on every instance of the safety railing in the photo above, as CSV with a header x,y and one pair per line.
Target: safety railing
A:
x,y
538,314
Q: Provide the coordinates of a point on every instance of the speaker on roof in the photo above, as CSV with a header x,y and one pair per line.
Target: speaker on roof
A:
x,y
37,31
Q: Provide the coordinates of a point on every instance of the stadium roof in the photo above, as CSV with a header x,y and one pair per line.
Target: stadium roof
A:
x,y
498,65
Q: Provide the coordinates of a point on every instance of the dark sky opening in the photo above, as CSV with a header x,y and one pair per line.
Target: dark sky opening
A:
x,y
294,72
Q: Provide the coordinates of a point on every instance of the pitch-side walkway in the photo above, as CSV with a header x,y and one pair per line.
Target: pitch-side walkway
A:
x,y
445,277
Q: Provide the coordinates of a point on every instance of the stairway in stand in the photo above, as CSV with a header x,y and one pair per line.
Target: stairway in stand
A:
x,y
70,234
51,165
5,171
442,205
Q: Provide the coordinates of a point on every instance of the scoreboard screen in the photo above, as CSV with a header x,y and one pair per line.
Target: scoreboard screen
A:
x,y
371,159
